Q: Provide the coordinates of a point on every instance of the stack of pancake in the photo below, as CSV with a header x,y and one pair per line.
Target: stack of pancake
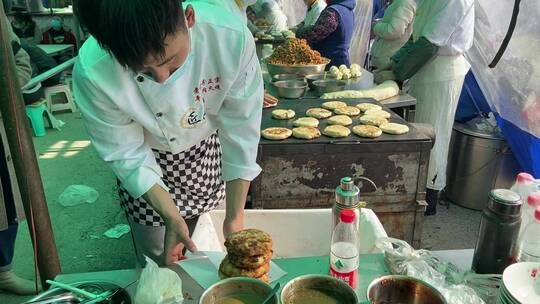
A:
x,y
248,255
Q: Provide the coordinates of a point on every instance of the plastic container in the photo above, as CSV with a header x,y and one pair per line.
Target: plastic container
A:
x,y
527,212
529,246
344,256
525,185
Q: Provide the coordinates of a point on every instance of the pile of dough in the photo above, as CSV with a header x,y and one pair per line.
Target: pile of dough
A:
x,y
394,128
306,122
336,131
306,132
368,106
318,113
276,133
367,131
345,73
332,105
375,112
342,120
283,114
383,91
350,111
373,120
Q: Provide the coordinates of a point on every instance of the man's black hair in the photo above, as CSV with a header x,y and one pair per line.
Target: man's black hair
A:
x,y
131,30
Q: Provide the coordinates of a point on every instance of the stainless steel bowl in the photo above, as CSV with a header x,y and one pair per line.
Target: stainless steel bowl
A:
x,y
314,77
403,290
328,86
326,286
280,77
237,287
291,89
274,69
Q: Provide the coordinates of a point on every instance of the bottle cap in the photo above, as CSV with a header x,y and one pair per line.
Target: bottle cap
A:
x,y
534,199
537,214
347,216
524,177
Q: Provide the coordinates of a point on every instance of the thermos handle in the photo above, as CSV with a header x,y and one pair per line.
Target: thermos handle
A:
x,y
366,179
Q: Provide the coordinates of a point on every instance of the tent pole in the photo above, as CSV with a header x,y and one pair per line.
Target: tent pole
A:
x,y
19,140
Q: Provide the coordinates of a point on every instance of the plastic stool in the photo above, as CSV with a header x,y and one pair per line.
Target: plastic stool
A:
x,y
37,121
59,89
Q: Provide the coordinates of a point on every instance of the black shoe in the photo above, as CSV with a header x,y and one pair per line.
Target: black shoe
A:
x,y
432,198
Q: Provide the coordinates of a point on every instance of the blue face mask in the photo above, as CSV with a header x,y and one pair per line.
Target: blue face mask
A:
x,y
184,67
56,24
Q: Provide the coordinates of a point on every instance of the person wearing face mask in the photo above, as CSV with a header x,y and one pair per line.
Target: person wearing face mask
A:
x,y
26,28
171,94
314,10
433,60
57,34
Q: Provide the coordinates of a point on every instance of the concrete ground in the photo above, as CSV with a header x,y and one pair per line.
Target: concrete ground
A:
x,y
67,158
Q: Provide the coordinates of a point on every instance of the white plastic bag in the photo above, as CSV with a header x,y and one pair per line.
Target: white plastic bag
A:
x,y
457,286
78,194
158,285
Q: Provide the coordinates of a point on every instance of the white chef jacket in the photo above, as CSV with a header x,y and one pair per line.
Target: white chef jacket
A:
x,y
127,114
276,16
314,12
449,24
392,31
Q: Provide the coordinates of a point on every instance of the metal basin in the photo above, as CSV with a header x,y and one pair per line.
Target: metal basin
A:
x,y
280,77
238,288
274,69
318,287
314,77
403,290
328,86
66,297
291,89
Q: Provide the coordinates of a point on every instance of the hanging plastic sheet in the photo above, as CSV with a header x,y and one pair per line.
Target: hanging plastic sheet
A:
x,y
362,31
512,88
295,10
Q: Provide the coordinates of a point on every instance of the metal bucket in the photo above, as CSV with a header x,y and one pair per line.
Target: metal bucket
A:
x,y
479,160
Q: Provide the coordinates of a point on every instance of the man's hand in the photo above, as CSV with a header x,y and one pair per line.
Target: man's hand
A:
x,y
269,101
232,226
176,238
176,230
381,76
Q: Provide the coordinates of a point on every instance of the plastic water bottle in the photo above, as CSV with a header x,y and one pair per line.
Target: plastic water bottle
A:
x,y
527,212
529,247
525,185
344,259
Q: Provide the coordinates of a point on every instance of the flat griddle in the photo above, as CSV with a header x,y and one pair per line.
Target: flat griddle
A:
x,y
300,106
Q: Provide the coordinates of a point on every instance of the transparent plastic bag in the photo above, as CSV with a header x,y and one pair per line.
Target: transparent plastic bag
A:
x,y
457,286
158,286
78,194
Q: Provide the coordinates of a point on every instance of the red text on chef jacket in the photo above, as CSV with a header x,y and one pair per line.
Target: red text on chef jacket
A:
x,y
206,86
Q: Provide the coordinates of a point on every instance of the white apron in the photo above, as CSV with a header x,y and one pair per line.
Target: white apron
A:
x,y
437,87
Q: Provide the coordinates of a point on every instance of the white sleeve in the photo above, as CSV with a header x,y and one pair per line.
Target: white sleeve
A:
x,y
239,119
118,139
396,24
446,17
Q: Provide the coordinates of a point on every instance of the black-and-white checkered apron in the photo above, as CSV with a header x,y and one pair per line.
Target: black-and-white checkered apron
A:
x,y
193,177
